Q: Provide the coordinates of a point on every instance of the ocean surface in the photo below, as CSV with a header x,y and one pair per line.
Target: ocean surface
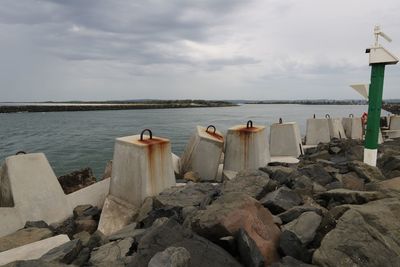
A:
x,y
74,140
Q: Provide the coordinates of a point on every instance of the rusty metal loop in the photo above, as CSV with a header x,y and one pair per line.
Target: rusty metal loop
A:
x,y
20,152
211,126
314,116
280,121
351,116
249,124
327,116
146,130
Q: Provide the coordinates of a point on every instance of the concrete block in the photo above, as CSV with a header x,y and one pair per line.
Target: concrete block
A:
x,y
37,194
317,131
94,195
285,140
394,123
116,214
246,147
353,128
141,168
10,221
336,129
32,251
202,153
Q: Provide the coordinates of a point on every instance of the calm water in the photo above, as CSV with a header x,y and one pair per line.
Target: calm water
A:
x,y
73,140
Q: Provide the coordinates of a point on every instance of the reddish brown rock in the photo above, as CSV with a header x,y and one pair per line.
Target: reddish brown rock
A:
x,y
234,211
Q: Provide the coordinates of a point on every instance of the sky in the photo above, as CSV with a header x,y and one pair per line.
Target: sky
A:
x,y
191,49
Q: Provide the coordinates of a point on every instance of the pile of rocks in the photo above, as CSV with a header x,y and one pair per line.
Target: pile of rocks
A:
x,y
330,209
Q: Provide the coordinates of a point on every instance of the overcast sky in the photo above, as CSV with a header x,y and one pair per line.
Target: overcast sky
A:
x,y
210,49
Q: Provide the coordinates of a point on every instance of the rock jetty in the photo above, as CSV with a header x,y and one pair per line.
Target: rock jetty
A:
x,y
330,209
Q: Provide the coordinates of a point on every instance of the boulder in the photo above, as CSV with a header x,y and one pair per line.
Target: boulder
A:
x,y
79,210
390,165
163,212
234,211
317,173
305,226
290,245
87,225
77,180
365,235
87,211
337,197
365,171
23,237
128,231
36,224
281,200
65,253
111,254
171,257
144,210
387,185
251,182
283,175
294,212
35,263
66,227
249,253
192,176
172,234
351,181
84,237
190,195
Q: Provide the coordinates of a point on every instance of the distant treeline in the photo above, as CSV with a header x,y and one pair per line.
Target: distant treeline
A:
x,y
319,102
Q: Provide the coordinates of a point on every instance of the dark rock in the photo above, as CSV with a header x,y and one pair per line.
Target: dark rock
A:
x,y
65,253
303,185
290,245
187,211
66,227
171,257
337,197
147,206
365,171
324,155
36,224
111,254
334,185
390,165
365,235
77,180
281,200
87,225
84,237
172,234
233,211
334,150
283,175
82,258
305,226
79,210
229,244
296,211
291,262
190,195
317,173
23,237
351,181
167,212
34,263
254,183
128,231
249,253
96,239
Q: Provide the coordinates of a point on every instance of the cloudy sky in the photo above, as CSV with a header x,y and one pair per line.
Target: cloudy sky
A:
x,y
179,49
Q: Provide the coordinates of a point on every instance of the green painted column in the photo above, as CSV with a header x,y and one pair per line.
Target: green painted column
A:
x,y
374,106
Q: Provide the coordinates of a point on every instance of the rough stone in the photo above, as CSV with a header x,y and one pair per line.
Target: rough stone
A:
x,y
66,227
296,211
35,263
337,197
365,235
171,257
36,224
84,237
190,195
233,211
365,171
281,200
77,180
82,258
111,254
317,173
163,212
290,245
192,176
305,226
172,234
128,231
86,225
254,183
249,253
79,210
352,182
283,175
65,253
144,210
291,262
23,237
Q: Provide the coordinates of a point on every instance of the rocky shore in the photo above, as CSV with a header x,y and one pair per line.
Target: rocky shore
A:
x,y
392,108
330,209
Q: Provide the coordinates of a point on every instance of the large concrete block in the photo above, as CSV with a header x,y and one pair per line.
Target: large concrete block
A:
x,y
285,140
317,131
94,194
35,189
202,153
336,129
353,128
394,123
246,148
142,167
33,250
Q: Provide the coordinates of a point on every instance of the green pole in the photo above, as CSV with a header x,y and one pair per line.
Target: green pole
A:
x,y
374,106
